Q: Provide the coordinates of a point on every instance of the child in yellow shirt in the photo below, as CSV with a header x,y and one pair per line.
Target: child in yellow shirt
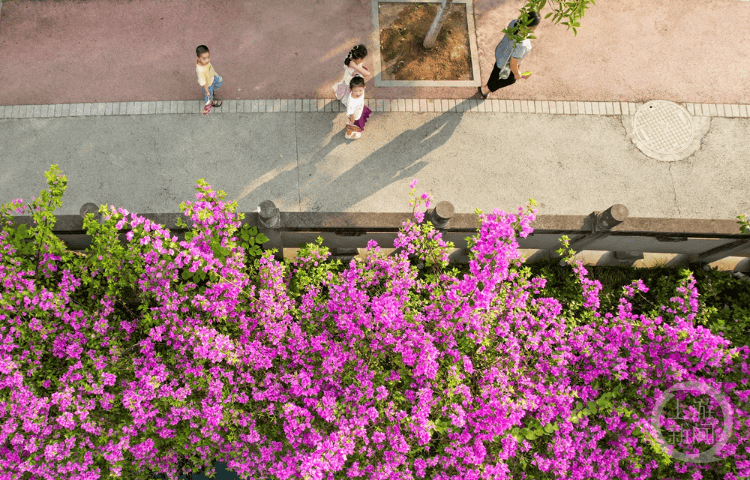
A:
x,y
208,79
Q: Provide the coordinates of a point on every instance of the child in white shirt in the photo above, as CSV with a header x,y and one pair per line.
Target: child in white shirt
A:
x,y
356,110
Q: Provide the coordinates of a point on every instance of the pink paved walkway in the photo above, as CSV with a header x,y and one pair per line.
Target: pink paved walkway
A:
x,y
141,50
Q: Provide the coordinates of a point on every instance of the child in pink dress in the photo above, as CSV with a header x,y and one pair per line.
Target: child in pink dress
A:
x,y
352,68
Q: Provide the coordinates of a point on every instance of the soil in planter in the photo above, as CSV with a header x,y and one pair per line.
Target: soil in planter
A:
x,y
403,27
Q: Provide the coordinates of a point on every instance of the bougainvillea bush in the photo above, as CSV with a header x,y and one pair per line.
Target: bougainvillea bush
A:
x,y
153,357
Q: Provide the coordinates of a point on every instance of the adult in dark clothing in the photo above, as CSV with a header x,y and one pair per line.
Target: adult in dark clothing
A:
x,y
508,56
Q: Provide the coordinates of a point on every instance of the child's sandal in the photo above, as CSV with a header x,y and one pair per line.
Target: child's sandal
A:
x,y
214,104
207,109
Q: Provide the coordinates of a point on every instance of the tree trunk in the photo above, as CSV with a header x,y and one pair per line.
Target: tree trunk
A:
x,y
437,24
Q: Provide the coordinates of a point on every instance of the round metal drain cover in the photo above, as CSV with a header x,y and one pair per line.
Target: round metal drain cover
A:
x,y
663,127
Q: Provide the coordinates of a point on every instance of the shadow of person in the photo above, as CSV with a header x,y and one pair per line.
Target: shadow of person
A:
x,y
395,161
283,188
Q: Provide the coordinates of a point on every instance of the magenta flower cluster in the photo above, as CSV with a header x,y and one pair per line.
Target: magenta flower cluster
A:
x,y
377,369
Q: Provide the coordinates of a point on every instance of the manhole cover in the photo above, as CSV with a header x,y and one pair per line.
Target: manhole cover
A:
x,y
663,126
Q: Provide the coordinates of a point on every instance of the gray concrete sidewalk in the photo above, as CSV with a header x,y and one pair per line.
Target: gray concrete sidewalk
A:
x,y
570,164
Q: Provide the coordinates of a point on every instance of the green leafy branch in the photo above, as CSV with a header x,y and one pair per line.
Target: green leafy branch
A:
x,y
571,11
744,223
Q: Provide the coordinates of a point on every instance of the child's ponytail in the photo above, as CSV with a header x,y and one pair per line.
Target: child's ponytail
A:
x,y
357,52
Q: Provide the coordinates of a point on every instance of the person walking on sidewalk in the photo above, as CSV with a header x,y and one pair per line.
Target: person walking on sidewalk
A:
x,y
356,109
208,79
508,56
352,67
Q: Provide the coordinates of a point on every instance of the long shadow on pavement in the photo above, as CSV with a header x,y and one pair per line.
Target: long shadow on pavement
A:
x,y
278,188
397,160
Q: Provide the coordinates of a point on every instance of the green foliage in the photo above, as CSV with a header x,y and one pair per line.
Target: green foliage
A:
x,y
571,11
37,241
21,241
724,299
252,240
249,239
725,305
109,265
744,223
312,268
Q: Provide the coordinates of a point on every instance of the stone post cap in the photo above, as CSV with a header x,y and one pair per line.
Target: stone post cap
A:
x,y
88,208
611,217
440,215
444,210
269,215
91,208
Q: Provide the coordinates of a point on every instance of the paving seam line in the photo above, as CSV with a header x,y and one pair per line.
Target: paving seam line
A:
x,y
327,105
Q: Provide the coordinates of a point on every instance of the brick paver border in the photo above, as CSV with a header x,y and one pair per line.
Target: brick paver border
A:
x,y
326,105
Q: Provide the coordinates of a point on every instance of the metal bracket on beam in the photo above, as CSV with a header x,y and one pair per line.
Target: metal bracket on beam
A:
x,y
722,251
628,257
344,254
601,224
